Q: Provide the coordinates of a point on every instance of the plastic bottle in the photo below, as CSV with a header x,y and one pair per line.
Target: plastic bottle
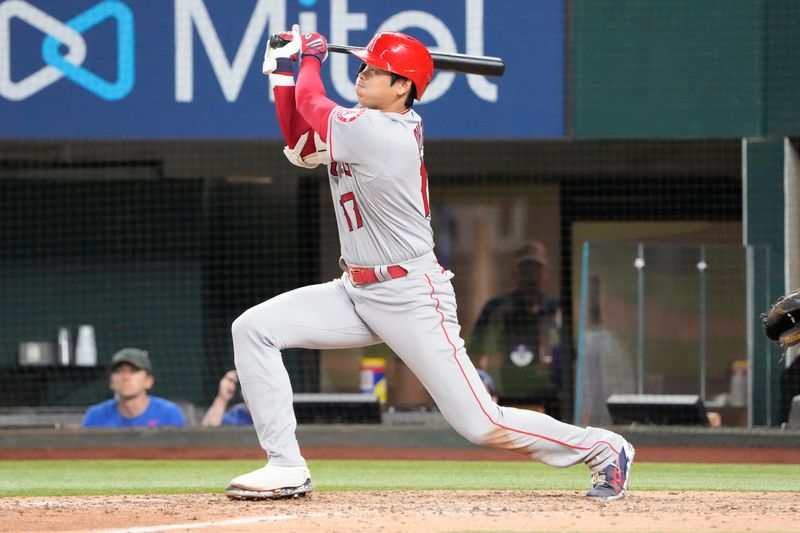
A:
x,y
63,347
373,377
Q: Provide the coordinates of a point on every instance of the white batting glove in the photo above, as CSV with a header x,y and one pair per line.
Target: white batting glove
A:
x,y
312,160
280,60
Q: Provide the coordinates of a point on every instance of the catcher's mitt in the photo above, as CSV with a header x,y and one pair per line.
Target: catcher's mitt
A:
x,y
782,321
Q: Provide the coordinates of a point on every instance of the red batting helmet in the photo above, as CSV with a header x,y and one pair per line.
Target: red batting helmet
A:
x,y
400,54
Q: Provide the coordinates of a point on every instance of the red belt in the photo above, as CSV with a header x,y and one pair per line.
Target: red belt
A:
x,y
365,275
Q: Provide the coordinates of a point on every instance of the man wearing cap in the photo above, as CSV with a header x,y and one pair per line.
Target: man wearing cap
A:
x,y
131,377
517,335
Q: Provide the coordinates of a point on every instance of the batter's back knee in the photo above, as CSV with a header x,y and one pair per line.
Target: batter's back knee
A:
x,y
477,433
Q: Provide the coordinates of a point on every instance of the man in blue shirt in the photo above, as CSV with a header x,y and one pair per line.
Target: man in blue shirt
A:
x,y
218,413
131,377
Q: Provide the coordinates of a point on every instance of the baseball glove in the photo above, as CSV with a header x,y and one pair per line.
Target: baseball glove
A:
x,y
782,321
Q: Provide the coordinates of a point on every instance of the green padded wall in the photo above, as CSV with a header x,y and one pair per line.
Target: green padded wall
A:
x,y
655,69
782,31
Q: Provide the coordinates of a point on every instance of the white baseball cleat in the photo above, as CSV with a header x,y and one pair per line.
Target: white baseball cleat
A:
x,y
271,482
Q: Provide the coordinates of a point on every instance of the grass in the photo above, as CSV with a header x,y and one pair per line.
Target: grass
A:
x,y
48,478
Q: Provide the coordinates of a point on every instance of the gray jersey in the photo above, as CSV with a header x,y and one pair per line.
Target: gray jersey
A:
x,y
379,186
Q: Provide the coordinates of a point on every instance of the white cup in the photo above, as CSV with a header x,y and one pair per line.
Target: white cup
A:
x,y
86,347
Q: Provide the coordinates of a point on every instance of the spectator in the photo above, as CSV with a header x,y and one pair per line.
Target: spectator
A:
x,y
238,415
517,336
607,367
131,378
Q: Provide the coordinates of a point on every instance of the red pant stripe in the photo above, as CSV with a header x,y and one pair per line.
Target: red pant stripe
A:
x,y
474,395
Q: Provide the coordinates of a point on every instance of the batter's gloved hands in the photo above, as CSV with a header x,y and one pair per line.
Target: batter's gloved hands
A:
x,y
314,45
320,155
782,321
281,53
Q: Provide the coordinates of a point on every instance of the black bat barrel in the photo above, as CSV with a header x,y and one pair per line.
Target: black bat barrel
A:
x,y
484,65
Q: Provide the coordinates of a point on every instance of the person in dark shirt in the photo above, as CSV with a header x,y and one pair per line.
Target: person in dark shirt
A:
x,y
131,378
517,336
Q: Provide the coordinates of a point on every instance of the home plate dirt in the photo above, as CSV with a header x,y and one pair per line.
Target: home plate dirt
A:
x,y
407,511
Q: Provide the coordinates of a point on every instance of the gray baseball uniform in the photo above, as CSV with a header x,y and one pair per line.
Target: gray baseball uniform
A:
x,y
380,193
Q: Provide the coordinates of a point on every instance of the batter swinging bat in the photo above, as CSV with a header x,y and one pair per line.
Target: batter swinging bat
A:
x,y
484,65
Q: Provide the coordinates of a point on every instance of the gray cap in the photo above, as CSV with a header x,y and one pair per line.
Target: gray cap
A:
x,y
132,356
531,250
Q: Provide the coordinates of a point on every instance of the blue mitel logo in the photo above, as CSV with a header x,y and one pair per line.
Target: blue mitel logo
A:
x,y
68,34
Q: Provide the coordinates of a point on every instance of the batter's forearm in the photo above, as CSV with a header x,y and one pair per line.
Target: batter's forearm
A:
x,y
284,109
292,124
312,104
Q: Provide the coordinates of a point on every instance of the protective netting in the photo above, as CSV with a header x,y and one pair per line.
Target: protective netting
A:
x,y
145,201
166,263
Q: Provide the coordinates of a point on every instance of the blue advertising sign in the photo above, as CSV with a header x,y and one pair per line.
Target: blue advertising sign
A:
x,y
135,69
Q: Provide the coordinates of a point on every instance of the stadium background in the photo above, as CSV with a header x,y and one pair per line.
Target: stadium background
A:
x,y
152,200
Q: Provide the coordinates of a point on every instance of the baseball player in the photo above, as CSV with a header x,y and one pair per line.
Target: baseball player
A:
x,y
392,289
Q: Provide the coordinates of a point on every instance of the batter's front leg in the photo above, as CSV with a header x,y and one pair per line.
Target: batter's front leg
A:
x,y
317,316
417,320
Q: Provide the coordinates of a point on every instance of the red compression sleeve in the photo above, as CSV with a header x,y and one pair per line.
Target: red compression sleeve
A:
x,y
292,124
312,104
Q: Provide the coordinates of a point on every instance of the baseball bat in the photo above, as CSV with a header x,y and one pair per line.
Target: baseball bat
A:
x,y
468,64
484,65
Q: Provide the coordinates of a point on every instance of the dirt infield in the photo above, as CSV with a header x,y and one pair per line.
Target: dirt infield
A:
x,y
410,511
